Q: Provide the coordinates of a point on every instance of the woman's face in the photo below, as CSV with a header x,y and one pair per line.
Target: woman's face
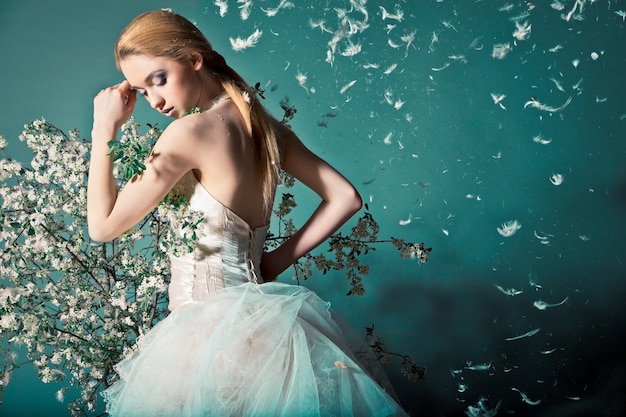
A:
x,y
170,87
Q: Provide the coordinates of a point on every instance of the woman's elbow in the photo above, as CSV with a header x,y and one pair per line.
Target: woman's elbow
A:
x,y
354,201
99,234
96,235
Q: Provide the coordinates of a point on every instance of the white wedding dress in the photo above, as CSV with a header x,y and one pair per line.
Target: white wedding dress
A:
x,y
235,346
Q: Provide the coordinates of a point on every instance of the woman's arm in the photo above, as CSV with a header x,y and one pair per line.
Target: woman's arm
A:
x,y
340,201
109,214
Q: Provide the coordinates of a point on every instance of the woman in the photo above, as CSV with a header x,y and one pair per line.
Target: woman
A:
x,y
230,347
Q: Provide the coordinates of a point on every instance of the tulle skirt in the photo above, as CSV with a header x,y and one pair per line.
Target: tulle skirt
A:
x,y
249,350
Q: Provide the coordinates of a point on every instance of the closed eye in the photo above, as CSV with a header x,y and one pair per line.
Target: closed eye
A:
x,y
159,79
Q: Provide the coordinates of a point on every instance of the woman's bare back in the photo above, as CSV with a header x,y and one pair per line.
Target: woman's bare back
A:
x,y
226,163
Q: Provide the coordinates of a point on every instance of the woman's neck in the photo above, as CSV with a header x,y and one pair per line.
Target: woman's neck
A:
x,y
211,89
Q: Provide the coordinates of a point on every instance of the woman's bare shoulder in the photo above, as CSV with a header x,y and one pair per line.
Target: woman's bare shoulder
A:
x,y
186,134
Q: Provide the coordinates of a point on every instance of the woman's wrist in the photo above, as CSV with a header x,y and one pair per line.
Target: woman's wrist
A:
x,y
101,136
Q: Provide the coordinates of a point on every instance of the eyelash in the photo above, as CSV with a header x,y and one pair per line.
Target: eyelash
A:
x,y
160,79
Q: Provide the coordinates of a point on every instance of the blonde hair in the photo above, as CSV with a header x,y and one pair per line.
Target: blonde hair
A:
x,y
163,33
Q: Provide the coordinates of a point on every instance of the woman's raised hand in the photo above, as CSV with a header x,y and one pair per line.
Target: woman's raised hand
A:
x,y
113,106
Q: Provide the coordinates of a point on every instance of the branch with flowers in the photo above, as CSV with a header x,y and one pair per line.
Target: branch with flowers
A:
x,y
346,249
78,306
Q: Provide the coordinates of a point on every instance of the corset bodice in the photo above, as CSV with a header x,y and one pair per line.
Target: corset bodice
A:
x,y
227,253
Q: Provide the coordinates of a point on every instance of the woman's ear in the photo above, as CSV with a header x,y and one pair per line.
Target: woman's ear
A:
x,y
196,61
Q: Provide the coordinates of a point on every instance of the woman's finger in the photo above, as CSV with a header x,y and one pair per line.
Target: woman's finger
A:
x,y
131,98
123,86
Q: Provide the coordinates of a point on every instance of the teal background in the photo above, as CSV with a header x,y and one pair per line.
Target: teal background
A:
x,y
448,141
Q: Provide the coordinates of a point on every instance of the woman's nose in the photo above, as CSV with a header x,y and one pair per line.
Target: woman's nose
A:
x,y
156,102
